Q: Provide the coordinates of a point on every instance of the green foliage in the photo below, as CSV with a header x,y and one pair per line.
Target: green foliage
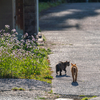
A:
x,y
49,51
22,59
44,39
39,29
94,96
46,5
48,77
43,6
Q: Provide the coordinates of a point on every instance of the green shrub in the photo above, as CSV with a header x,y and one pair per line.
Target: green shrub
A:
x,y
21,58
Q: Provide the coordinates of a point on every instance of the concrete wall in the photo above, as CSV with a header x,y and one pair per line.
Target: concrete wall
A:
x,y
30,16
27,22
5,13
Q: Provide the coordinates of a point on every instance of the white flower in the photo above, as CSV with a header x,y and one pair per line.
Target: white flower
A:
x,y
25,35
7,26
16,33
13,30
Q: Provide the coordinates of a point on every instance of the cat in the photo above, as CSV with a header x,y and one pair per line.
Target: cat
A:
x,y
62,66
74,71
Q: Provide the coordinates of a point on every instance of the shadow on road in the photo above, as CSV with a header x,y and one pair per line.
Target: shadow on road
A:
x,y
60,17
58,76
74,83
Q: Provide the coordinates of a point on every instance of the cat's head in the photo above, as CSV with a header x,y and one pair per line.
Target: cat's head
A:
x,y
73,64
68,63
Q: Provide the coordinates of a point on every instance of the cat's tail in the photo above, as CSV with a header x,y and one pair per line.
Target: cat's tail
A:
x,y
74,70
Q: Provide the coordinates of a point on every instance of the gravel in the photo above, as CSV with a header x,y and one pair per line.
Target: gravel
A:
x,y
21,95
33,89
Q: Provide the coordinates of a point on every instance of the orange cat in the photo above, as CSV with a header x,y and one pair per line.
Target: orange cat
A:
x,y
74,71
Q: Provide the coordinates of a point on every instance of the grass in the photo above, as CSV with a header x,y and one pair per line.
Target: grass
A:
x,y
16,89
57,96
42,98
23,58
44,38
70,44
53,44
82,95
50,92
87,98
39,29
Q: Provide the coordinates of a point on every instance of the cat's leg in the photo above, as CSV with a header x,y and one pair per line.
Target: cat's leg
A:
x,y
73,76
65,71
76,77
57,72
60,72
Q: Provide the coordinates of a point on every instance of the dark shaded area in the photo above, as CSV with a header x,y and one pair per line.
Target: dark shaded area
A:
x,y
5,14
49,0
8,76
58,76
19,13
74,83
60,20
30,17
83,1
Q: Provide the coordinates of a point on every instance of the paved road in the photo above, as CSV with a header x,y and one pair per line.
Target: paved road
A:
x,y
73,33
33,89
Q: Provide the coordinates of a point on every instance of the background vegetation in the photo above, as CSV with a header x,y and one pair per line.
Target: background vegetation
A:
x,y
45,4
83,1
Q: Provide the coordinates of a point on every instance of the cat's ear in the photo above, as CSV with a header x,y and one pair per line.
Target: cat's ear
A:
x,y
71,64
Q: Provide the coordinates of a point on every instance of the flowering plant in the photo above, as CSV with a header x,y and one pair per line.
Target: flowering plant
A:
x,y
20,58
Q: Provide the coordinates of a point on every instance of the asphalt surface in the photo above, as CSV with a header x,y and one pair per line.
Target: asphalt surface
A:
x,y
72,32
33,89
